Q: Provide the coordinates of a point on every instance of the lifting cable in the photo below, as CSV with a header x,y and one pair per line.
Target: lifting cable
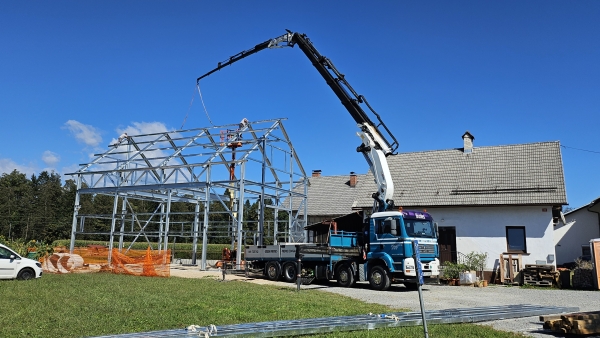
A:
x,y
190,107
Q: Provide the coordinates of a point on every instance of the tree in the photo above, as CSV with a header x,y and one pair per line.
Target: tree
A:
x,y
16,202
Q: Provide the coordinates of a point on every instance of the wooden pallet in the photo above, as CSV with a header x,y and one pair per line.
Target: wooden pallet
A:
x,y
581,323
538,282
540,275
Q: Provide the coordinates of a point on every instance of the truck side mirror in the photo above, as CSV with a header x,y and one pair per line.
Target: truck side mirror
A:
x,y
393,227
435,227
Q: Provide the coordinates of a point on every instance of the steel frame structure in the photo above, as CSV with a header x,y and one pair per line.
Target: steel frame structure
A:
x,y
227,165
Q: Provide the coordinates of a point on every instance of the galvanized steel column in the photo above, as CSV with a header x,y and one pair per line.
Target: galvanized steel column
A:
x,y
75,213
238,257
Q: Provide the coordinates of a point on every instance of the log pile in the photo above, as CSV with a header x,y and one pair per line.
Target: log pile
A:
x,y
583,279
540,275
581,323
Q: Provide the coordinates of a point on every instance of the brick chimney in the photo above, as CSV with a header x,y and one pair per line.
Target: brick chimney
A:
x,y
353,179
316,173
468,142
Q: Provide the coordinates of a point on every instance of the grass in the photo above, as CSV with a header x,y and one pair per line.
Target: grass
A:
x,y
83,305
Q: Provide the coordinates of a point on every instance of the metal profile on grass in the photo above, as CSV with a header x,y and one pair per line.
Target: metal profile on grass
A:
x,y
214,170
363,322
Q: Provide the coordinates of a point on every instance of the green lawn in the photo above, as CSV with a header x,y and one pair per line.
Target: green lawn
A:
x,y
83,305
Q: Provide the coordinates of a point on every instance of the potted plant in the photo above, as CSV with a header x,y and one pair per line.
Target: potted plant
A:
x,y
452,271
475,261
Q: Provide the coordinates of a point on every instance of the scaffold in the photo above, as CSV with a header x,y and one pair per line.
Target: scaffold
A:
x,y
214,171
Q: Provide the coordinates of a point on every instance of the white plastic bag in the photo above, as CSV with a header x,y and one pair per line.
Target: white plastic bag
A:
x,y
467,278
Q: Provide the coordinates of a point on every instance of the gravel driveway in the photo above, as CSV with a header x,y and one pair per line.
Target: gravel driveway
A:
x,y
439,297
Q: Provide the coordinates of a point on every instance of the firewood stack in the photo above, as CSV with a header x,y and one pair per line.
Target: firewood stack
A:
x,y
583,279
581,323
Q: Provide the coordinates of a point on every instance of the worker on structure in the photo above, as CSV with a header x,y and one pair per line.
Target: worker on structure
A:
x,y
122,138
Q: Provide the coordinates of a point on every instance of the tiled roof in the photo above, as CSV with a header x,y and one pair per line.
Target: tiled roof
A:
x,y
522,174
333,195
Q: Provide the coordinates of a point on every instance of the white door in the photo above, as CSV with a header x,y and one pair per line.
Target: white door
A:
x,y
7,265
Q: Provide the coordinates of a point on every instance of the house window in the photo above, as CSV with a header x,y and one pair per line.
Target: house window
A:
x,y
586,253
515,239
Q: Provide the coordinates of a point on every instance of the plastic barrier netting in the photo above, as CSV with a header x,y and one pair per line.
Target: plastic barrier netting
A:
x,y
94,258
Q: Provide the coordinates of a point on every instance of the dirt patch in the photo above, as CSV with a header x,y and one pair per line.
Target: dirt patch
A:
x,y
195,272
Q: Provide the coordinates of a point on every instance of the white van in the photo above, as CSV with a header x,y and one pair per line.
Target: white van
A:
x,y
14,266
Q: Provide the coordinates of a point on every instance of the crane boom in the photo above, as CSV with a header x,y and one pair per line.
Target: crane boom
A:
x,y
376,144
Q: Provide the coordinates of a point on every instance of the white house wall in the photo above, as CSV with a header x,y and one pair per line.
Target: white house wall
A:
x,y
483,229
570,237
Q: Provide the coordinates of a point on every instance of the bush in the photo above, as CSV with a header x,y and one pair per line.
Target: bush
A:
x,y
475,261
453,270
179,250
23,248
584,264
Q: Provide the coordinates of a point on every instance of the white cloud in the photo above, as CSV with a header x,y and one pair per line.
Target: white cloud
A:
x,y
143,128
7,166
68,170
84,133
50,158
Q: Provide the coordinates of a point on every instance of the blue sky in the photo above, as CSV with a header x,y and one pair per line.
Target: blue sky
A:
x,y
75,74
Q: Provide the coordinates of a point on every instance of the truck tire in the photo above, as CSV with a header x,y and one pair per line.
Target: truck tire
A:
x,y
289,272
272,270
345,276
379,279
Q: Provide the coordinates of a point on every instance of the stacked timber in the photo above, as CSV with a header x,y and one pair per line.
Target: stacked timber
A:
x,y
540,275
583,279
581,323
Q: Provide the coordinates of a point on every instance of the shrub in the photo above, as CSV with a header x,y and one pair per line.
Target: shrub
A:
x,y
583,264
453,270
475,261
40,249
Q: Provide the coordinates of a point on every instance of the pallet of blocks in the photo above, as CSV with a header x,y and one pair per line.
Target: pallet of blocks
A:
x,y
581,323
540,275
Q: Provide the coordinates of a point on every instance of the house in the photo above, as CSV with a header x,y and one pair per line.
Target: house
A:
x,y
572,239
495,199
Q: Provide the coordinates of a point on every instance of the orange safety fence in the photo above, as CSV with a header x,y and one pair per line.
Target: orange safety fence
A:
x,y
94,258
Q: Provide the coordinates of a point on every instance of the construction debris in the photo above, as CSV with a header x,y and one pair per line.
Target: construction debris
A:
x,y
581,323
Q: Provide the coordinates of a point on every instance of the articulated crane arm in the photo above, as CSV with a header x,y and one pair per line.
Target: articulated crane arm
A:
x,y
375,146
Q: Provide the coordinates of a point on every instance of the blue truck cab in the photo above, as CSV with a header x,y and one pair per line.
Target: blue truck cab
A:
x,y
389,254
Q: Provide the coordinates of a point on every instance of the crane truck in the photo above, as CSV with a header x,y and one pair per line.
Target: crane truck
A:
x,y
376,248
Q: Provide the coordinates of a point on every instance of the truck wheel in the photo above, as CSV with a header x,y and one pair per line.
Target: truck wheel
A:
x,y
272,270
26,274
289,272
379,279
345,277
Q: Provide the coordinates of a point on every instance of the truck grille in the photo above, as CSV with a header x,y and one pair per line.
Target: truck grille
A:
x,y
427,248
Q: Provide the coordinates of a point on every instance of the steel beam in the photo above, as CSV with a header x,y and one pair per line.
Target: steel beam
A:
x,y
362,322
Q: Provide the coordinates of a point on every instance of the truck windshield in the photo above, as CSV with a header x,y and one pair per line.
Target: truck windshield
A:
x,y
419,228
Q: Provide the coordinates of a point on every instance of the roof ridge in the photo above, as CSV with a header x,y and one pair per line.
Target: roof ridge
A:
x,y
479,147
